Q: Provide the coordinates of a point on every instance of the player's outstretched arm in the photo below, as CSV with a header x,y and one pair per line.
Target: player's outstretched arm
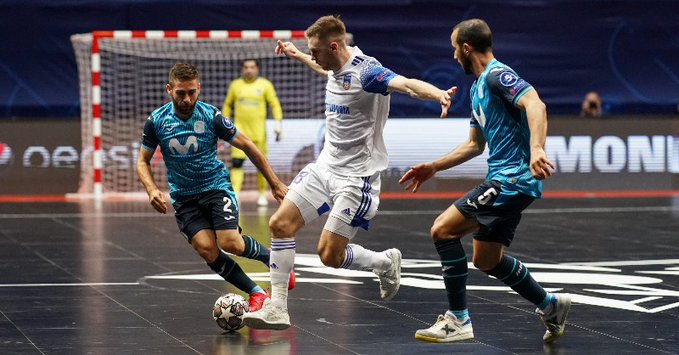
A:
x,y
290,51
424,91
536,112
156,197
242,142
420,173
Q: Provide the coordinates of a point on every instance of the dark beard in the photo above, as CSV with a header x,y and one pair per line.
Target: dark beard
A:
x,y
183,111
466,65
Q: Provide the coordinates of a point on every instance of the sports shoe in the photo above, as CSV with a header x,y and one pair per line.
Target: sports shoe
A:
x,y
446,330
257,300
262,201
390,280
555,321
269,317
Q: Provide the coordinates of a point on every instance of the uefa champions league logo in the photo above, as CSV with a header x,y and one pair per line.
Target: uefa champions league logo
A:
x,y
625,285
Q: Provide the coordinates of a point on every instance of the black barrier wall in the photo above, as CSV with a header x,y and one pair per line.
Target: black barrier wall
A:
x,y
39,156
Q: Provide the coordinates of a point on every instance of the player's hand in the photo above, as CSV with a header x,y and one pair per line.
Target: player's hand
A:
x,y
539,164
278,130
418,174
157,200
287,48
446,99
279,191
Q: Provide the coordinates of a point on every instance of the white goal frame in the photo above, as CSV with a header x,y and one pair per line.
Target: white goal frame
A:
x,y
98,167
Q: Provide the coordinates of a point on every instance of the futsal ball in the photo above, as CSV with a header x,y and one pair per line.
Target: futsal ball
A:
x,y
228,311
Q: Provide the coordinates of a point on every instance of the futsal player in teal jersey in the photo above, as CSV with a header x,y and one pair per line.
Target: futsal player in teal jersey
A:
x,y
508,115
206,209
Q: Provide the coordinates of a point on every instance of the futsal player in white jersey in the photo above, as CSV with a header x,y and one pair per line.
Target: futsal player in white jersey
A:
x,y
345,179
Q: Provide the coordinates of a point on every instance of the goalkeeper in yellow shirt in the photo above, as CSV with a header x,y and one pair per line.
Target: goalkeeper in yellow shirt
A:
x,y
246,103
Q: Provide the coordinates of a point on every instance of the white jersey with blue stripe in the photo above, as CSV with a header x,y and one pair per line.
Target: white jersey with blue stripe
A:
x,y
189,148
356,110
494,96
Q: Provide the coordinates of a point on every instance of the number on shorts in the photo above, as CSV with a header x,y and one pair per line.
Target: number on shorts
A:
x,y
485,198
227,205
302,174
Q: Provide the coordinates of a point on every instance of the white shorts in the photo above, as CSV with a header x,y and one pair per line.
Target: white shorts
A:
x,y
352,201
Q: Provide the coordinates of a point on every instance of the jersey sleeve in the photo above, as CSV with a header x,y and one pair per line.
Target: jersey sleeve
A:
x,y
375,78
223,126
507,85
272,100
149,139
229,100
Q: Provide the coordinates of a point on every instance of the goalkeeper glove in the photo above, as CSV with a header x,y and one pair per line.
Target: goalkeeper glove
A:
x,y
278,130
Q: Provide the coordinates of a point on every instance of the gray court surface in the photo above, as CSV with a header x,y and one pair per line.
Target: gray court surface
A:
x,y
120,279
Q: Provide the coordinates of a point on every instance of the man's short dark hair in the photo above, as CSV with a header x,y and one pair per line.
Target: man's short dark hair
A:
x,y
242,64
181,72
476,33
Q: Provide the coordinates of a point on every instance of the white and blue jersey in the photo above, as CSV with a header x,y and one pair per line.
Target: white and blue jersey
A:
x,y
189,148
494,96
356,110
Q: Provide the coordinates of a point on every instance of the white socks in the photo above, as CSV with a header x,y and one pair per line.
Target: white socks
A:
x,y
360,258
281,263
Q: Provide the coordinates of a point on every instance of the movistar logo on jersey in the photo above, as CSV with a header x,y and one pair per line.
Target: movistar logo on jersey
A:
x,y
480,118
342,110
178,148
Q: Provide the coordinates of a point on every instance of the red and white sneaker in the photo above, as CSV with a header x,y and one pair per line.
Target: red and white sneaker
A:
x,y
257,300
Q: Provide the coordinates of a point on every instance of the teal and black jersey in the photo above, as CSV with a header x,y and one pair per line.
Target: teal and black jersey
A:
x,y
189,148
494,96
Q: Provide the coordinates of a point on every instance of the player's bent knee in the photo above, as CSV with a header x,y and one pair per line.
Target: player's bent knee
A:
x,y
330,259
206,252
439,233
232,246
484,264
280,227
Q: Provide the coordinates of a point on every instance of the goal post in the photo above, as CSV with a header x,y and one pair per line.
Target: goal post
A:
x,y
122,76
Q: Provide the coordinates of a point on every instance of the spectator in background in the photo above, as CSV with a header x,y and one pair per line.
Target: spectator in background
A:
x,y
591,105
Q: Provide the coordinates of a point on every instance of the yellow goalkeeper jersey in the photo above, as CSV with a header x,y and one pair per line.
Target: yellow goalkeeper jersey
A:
x,y
246,102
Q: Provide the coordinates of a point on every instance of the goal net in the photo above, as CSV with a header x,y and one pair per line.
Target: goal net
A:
x,y
122,78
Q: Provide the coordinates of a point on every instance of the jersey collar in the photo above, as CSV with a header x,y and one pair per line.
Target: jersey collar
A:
x,y
489,66
354,52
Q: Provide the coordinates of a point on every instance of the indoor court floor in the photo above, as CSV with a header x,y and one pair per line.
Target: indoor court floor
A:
x,y
75,279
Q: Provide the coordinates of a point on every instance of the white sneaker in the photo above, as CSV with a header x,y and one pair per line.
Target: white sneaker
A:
x,y
555,321
262,201
390,280
269,317
447,329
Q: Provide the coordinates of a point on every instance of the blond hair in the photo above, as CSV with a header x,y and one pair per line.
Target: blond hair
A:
x,y
327,28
